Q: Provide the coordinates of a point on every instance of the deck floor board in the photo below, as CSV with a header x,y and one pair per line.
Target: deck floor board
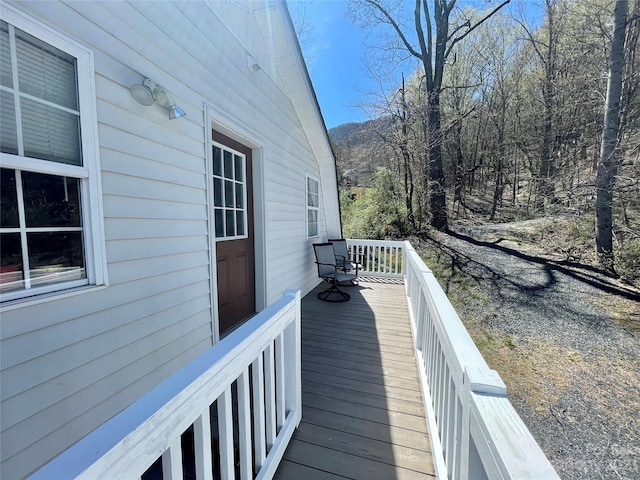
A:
x,y
363,416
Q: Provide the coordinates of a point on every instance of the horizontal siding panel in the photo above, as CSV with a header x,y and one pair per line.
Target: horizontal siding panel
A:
x,y
130,228
83,418
152,209
124,250
41,315
125,164
169,134
30,459
64,373
134,146
137,187
18,349
150,267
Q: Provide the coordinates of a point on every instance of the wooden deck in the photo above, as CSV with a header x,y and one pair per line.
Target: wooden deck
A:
x,y
363,416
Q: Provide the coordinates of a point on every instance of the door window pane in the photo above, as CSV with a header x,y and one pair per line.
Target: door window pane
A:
x,y
240,223
239,167
228,164
239,195
217,161
231,224
219,223
217,192
228,193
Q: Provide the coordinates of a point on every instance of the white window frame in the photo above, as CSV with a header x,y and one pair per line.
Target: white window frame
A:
x,y
88,174
244,199
309,208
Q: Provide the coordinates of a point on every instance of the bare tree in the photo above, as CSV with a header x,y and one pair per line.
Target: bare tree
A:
x,y
436,39
609,151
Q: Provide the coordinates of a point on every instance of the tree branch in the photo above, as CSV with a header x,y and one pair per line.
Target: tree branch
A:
x,y
533,41
395,26
426,49
457,39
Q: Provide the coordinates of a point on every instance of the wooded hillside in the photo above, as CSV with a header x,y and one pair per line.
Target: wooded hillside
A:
x,y
522,111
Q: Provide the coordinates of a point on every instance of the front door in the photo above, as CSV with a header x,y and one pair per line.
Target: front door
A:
x,y
233,219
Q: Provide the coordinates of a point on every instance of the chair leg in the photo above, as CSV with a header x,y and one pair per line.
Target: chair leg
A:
x,y
333,289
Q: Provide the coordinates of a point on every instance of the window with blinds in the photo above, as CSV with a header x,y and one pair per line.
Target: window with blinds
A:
x,y
45,234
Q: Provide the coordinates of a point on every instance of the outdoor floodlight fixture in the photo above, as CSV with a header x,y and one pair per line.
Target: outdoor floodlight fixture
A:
x,y
149,92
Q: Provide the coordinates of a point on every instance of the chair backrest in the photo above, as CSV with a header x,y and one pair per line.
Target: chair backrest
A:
x,y
325,258
340,247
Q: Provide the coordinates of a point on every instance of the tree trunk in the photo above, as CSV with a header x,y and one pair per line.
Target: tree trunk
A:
x,y
437,189
608,164
545,188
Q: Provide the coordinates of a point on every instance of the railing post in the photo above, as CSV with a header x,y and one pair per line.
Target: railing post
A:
x,y
461,467
476,380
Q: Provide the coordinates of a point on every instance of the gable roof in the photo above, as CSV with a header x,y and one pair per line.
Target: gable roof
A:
x,y
279,33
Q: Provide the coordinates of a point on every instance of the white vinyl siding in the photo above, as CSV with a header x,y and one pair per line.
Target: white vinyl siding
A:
x,y
71,363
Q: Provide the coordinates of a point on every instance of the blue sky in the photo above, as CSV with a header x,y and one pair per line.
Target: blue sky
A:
x,y
334,49
334,52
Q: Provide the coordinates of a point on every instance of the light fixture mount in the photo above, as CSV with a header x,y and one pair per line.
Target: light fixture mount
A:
x,y
149,92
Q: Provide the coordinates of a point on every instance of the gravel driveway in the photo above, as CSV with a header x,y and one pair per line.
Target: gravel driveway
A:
x,y
572,370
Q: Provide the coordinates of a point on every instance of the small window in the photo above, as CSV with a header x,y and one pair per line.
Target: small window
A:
x,y
313,204
48,223
229,193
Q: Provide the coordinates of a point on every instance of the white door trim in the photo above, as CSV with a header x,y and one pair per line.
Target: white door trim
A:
x,y
221,122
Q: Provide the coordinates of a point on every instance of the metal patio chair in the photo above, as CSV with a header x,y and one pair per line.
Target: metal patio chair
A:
x,y
344,262
330,272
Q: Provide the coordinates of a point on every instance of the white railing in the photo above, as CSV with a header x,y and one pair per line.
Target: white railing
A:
x,y
475,432
258,364
379,258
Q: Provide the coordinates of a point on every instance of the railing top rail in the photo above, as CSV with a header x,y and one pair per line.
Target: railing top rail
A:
x,y
505,447
461,350
376,243
500,435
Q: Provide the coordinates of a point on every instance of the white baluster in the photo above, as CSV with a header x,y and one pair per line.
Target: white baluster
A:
x,y
270,395
244,426
225,428
257,376
280,393
172,461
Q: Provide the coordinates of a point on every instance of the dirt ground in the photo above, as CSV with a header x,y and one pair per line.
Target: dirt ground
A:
x,y
564,337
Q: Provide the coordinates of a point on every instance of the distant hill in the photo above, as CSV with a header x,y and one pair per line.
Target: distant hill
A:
x,y
360,149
